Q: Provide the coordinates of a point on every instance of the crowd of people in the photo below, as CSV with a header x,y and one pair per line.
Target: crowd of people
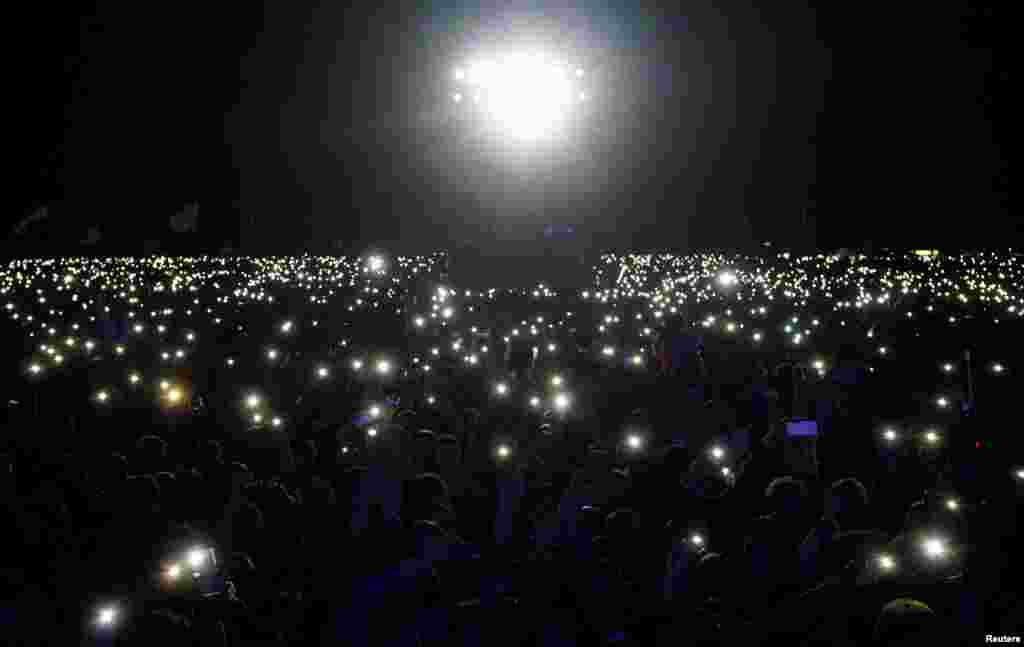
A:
x,y
704,449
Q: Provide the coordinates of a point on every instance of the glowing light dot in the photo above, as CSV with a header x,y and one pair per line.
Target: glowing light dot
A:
x,y
196,557
107,616
934,548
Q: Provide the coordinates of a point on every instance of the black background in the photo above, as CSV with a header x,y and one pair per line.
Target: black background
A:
x,y
295,124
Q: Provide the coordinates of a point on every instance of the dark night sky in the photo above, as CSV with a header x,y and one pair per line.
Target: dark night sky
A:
x,y
326,122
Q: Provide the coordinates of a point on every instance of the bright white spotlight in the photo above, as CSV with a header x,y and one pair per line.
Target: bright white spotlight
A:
x,y
525,95
727,279
634,441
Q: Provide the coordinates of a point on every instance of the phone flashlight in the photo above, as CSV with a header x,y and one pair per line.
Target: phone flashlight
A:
x,y
886,563
634,442
196,558
934,548
106,616
717,453
173,572
561,402
890,435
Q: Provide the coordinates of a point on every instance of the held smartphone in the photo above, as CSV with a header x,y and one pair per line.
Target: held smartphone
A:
x,y
801,429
